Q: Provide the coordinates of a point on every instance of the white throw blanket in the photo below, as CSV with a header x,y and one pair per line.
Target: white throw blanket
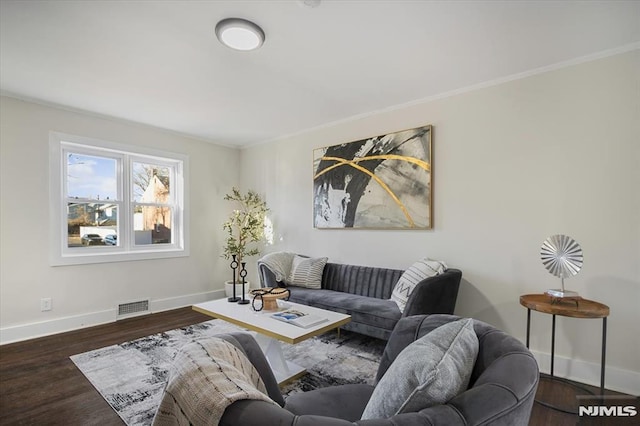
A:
x,y
279,263
206,377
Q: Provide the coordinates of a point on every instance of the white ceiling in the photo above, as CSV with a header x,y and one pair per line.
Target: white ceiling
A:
x,y
159,63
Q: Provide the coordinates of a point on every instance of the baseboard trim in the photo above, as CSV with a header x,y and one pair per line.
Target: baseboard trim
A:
x,y
615,379
22,332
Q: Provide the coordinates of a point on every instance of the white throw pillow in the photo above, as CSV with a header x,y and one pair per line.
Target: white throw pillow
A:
x,y
417,272
428,372
307,272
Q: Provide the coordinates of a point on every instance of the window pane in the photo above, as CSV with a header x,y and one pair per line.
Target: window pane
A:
x,y
91,177
152,225
151,183
91,224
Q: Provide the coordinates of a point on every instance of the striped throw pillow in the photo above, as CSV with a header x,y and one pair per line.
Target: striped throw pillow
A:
x,y
307,272
417,272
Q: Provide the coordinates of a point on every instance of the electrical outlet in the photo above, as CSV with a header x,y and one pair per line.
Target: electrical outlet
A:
x,y
45,304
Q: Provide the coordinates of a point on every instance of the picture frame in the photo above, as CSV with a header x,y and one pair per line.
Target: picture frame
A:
x,y
381,182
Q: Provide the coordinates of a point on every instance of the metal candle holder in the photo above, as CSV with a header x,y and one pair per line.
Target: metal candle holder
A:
x,y
243,274
234,267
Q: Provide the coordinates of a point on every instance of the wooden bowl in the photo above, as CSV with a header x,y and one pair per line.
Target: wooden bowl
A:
x,y
270,300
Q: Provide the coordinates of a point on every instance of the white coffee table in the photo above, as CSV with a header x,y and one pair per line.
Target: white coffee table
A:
x,y
270,332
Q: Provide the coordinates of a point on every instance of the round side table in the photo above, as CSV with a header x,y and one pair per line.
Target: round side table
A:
x,y
574,308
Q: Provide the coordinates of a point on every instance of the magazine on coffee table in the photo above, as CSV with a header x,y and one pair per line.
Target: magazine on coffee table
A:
x,y
301,319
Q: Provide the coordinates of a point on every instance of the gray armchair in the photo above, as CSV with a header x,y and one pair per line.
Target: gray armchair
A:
x,y
501,391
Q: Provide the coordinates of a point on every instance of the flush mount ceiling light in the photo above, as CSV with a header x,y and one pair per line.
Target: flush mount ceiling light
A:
x,y
309,3
239,34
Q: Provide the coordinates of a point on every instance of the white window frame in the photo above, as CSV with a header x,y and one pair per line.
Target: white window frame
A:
x,y
126,250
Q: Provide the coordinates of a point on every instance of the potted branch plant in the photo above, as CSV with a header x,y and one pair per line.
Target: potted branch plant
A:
x,y
245,229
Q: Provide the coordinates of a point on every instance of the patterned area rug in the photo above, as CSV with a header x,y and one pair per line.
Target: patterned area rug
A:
x,y
131,376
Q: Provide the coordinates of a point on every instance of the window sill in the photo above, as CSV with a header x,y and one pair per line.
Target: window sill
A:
x,y
102,257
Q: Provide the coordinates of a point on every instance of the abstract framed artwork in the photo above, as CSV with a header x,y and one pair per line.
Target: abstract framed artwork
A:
x,y
383,182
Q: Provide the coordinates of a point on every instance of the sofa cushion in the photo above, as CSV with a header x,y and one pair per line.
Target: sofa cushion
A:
x,y
307,272
381,313
430,371
344,402
362,280
417,272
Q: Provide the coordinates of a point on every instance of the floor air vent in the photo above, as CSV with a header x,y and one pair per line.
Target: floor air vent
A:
x,y
129,309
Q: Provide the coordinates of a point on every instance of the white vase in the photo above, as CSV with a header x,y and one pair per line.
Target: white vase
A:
x,y
228,288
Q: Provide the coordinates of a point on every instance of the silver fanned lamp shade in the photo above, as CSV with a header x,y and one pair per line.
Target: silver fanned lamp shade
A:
x,y
562,256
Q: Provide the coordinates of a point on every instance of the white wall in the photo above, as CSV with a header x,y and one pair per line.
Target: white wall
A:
x,y
87,294
557,152
553,153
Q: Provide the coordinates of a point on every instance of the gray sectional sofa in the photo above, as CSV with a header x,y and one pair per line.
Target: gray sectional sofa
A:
x,y
364,293
501,391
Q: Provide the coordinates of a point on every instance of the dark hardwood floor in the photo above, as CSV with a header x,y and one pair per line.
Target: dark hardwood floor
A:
x,y
39,385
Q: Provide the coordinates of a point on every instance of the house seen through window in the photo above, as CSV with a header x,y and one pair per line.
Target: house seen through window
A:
x,y
117,202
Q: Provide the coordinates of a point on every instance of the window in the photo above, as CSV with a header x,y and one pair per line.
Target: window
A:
x,y
111,202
